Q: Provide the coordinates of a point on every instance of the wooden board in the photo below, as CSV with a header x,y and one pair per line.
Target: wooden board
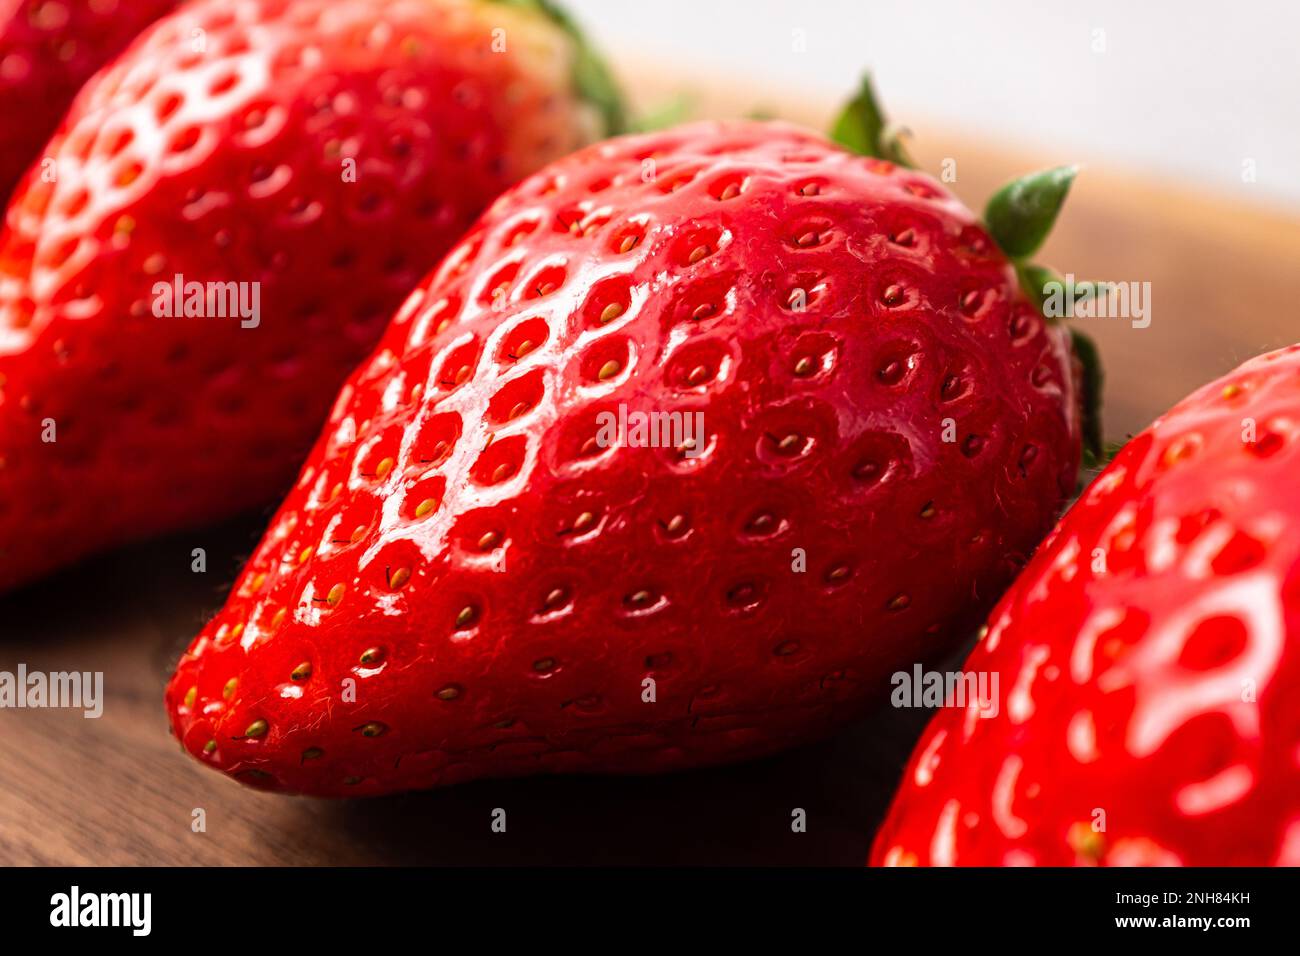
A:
x,y
117,790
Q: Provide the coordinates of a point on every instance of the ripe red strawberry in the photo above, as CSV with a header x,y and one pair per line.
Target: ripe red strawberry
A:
x,y
328,150
470,579
48,49
1149,660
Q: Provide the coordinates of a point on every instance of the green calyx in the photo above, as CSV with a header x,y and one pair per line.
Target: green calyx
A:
x,y
1021,213
1043,285
862,128
591,77
1018,217
1085,350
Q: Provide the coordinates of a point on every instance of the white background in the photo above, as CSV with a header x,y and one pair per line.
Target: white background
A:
x,y
1185,91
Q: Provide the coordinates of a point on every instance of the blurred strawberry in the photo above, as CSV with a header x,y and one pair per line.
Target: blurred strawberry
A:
x,y
1149,661
691,440
48,49
239,203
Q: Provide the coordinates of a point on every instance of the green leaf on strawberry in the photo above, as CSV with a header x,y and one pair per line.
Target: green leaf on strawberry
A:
x,y
862,128
1021,213
1085,350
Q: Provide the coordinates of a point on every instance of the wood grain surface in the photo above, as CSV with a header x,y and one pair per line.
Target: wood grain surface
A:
x,y
117,790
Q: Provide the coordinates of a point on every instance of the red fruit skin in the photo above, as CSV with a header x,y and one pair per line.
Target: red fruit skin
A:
x,y
218,148
622,562
48,49
1165,691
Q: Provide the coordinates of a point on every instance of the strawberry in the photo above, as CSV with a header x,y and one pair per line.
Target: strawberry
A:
x,y
1149,660
239,202
496,563
48,49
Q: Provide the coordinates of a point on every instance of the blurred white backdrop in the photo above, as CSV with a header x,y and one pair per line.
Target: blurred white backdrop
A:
x,y
1190,91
